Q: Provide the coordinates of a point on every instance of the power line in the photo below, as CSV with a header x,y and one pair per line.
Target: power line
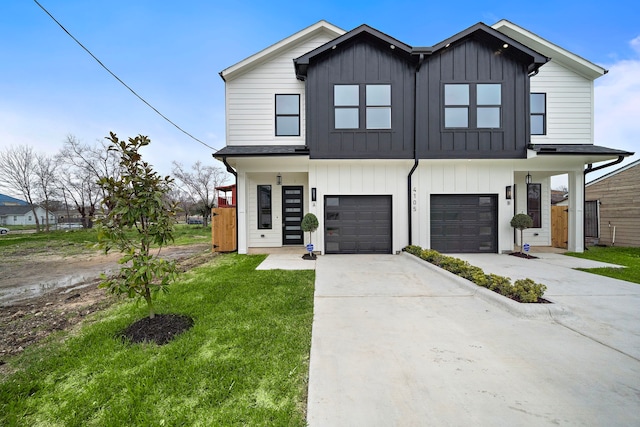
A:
x,y
123,83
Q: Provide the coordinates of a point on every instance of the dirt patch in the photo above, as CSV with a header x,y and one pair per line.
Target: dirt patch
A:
x,y
59,305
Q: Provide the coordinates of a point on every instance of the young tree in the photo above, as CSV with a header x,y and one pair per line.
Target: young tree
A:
x,y
17,173
309,224
520,222
138,198
201,184
45,171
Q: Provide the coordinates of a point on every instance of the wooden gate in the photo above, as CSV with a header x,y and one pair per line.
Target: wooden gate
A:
x,y
223,229
559,226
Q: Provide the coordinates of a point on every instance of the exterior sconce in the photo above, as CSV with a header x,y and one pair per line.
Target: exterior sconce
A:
x,y
279,179
313,194
528,178
508,192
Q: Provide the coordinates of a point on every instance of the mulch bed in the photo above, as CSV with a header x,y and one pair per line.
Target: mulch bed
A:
x,y
160,330
521,255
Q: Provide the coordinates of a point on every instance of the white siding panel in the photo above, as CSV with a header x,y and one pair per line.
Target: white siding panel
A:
x,y
569,105
250,98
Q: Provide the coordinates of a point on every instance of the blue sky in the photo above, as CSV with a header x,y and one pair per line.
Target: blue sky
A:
x,y
171,52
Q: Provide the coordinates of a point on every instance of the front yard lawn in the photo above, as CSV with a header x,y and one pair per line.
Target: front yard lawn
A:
x,y
629,257
244,362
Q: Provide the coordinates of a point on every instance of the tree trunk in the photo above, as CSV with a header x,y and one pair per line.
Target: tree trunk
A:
x,y
147,297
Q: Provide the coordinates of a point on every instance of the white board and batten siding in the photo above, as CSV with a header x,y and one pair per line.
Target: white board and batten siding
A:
x,y
569,105
461,177
250,97
365,177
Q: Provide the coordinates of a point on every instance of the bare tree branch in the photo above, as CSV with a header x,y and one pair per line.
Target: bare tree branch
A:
x,y
17,173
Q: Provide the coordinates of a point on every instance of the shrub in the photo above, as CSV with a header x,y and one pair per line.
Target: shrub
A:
x,y
524,290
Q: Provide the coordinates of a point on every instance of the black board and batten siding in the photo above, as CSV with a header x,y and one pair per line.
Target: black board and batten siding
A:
x,y
472,61
361,61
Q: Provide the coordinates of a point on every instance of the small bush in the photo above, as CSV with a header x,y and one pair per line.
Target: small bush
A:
x,y
524,290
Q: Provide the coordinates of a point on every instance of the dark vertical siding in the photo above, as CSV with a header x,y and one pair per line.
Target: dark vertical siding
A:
x,y
472,61
362,61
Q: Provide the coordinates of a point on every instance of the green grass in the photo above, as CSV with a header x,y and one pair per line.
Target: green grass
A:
x,y
244,362
77,241
629,257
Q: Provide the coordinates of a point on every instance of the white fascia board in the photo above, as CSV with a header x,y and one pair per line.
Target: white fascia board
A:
x,y
271,51
580,65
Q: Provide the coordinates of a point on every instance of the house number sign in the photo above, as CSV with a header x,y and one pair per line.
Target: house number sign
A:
x,y
414,200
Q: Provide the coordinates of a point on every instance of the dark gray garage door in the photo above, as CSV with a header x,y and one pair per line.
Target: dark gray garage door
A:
x,y
464,223
357,224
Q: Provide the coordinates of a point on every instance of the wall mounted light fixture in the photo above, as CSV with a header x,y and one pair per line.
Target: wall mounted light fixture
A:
x,y
508,192
279,179
527,179
313,194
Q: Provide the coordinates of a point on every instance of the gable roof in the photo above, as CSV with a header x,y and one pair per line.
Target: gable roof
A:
x,y
273,50
11,201
363,30
615,172
14,210
580,65
486,33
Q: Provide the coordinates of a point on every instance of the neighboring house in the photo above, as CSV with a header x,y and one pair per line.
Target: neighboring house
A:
x,y
614,199
10,201
390,145
23,215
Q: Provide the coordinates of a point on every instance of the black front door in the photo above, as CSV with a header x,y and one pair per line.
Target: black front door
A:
x,y
292,215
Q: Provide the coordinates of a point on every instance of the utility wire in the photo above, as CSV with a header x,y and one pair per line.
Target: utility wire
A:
x,y
118,79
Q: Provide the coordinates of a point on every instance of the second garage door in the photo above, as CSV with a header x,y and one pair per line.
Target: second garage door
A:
x,y
357,224
464,223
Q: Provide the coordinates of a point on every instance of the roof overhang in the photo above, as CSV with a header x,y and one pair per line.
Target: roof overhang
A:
x,y
587,153
363,31
580,65
273,50
232,151
503,44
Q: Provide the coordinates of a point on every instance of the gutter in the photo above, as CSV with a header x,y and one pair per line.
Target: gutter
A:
x,y
416,161
235,174
590,169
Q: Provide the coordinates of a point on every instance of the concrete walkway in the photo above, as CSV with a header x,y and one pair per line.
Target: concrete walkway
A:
x,y
397,343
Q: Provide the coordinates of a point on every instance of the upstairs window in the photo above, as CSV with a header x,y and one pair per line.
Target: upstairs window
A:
x,y
477,106
376,111
288,115
346,100
538,113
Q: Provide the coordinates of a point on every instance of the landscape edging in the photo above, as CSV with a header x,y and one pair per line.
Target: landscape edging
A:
x,y
528,310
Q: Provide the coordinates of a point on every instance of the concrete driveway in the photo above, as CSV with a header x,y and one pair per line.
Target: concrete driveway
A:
x,y
397,343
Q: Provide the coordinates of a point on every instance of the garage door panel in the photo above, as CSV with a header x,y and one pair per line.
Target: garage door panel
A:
x,y
358,224
464,223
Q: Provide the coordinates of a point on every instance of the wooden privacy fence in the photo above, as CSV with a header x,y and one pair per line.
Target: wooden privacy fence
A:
x,y
559,226
223,229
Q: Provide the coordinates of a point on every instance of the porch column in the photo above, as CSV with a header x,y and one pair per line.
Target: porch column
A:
x,y
576,212
241,205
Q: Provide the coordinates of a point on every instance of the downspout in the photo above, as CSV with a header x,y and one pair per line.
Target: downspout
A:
x,y
415,144
590,169
235,174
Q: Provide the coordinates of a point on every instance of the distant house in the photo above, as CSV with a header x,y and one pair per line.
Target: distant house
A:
x,y
10,201
614,200
18,212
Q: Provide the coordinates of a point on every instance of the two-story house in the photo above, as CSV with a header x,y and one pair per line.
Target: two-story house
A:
x,y
389,144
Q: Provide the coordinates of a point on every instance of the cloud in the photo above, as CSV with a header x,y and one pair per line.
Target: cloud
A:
x,y
617,110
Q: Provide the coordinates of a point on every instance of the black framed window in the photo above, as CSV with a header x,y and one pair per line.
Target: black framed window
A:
x,y
538,107
348,100
264,207
534,204
473,105
287,115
